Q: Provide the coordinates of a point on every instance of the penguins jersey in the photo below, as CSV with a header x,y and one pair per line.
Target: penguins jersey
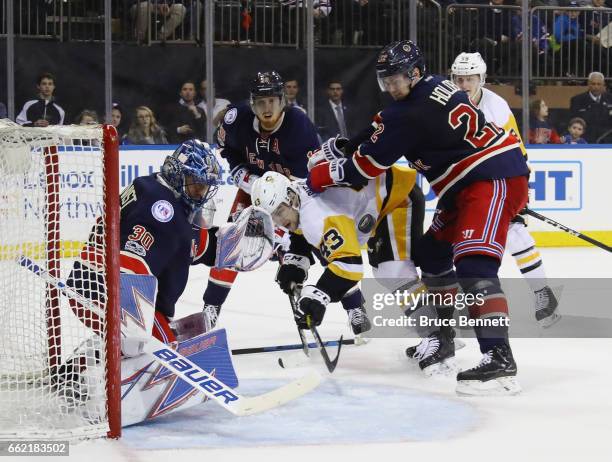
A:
x,y
443,135
339,221
497,110
285,150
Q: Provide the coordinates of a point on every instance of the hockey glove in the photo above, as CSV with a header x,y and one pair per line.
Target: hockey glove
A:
x,y
293,272
242,178
329,150
326,174
311,307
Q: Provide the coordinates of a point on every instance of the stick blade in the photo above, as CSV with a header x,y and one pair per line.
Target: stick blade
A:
x,y
280,396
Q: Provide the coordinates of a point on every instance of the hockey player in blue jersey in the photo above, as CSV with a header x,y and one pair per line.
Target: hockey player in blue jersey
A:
x,y
264,135
164,229
480,176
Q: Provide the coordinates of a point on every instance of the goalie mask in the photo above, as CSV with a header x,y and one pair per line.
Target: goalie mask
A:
x,y
192,171
276,194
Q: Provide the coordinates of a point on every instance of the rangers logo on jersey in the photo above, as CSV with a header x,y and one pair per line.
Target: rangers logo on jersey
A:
x,y
162,211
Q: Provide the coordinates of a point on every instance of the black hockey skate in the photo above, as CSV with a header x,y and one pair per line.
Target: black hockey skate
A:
x,y
358,319
494,375
546,306
435,353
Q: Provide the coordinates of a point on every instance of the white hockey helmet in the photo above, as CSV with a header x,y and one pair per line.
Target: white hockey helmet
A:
x,y
272,190
469,64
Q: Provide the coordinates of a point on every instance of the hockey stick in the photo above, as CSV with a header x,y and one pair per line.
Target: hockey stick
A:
x,y
190,372
331,365
288,347
574,233
305,348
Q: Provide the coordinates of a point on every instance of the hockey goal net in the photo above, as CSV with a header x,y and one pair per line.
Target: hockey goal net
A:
x,y
59,379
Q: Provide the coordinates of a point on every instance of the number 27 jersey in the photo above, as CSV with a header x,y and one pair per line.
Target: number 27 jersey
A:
x,y
444,136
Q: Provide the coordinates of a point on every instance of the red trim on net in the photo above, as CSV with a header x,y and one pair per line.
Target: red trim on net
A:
x,y
113,318
52,237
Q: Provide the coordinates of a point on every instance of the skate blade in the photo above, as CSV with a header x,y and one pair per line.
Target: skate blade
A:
x,y
444,368
549,320
503,386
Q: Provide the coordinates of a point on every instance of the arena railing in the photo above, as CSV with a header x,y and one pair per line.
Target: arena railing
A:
x,y
488,29
339,23
570,43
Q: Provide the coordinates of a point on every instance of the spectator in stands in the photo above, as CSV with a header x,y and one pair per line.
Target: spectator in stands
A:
x,y
146,12
42,111
144,129
494,41
3,111
184,119
334,116
87,117
117,119
575,130
292,89
539,30
570,36
594,106
321,10
540,129
356,22
219,104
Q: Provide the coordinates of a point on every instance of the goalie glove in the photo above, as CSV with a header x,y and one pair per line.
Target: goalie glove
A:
x,y
247,243
330,150
242,178
311,306
293,272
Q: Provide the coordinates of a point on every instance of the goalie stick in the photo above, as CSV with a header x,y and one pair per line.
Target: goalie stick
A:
x,y
331,365
190,372
574,233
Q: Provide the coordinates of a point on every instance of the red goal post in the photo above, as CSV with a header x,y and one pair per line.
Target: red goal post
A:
x,y
56,183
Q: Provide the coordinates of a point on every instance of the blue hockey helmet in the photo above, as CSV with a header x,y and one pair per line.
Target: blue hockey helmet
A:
x,y
192,171
400,57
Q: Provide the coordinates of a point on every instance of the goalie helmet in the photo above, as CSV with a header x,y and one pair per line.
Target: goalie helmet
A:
x,y
272,190
469,64
193,163
400,57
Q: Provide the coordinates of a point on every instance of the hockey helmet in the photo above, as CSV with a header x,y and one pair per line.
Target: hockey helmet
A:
x,y
193,163
400,57
273,190
469,64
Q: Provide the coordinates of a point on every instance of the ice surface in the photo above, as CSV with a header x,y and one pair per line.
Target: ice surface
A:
x,y
379,407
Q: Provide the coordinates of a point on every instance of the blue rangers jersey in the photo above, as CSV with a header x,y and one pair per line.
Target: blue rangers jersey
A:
x,y
283,150
156,238
443,135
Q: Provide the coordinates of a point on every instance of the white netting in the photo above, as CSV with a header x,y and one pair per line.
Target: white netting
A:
x,y
52,366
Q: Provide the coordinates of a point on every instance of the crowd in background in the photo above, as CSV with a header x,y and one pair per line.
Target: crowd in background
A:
x,y
590,115
184,118
497,35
